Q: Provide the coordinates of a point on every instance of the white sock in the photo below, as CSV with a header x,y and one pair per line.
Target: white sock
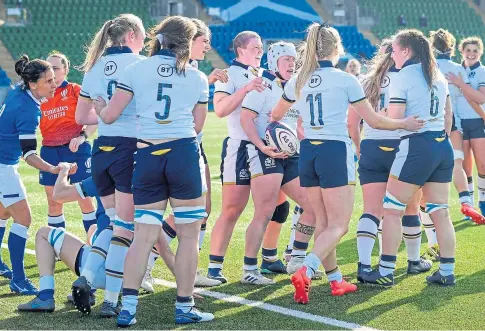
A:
x,y
429,228
481,187
366,237
294,220
412,239
379,235
471,189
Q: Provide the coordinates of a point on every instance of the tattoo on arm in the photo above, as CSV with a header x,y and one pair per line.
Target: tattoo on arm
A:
x,y
305,229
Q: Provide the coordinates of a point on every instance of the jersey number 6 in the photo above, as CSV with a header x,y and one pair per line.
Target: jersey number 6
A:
x,y
435,103
167,99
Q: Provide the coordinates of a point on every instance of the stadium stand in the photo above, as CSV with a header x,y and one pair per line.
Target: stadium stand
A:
x,y
456,16
275,20
66,26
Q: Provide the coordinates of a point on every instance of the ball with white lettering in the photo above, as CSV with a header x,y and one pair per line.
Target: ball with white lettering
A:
x,y
282,137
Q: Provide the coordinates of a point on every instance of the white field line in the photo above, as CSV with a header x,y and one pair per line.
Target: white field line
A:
x,y
257,304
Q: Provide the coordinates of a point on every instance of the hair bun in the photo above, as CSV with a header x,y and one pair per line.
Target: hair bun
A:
x,y
21,64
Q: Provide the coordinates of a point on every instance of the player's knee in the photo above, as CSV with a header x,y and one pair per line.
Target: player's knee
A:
x,y
56,239
42,233
4,215
391,203
281,213
188,214
339,228
231,213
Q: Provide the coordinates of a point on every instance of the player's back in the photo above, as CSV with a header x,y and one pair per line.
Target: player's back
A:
x,y
101,81
447,66
164,99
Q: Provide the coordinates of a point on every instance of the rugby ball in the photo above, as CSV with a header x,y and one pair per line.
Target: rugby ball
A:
x,y
282,137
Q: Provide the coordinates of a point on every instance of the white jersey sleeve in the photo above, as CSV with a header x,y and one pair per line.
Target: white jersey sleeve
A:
x,y
228,87
354,90
290,90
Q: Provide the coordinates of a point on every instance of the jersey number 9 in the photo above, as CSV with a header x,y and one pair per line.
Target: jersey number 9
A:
x,y
168,101
435,103
111,88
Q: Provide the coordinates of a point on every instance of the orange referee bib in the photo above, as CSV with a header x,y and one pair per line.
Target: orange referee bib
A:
x,y
57,123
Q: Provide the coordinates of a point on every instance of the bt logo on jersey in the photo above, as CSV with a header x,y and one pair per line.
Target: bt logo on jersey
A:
x,y
315,81
165,70
110,68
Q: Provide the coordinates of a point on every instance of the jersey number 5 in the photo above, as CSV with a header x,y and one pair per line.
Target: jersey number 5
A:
x,y
435,102
168,101
318,99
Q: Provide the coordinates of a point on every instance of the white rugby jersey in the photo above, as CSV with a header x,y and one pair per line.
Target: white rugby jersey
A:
x,y
476,77
447,66
239,75
101,81
164,99
409,87
370,132
324,102
262,104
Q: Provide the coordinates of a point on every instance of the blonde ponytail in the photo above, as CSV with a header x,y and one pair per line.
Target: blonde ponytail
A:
x,y
111,33
309,63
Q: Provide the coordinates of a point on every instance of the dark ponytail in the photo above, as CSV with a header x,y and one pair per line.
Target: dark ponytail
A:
x,y
30,71
421,52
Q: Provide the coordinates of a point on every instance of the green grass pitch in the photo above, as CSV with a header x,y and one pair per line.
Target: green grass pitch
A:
x,y
411,304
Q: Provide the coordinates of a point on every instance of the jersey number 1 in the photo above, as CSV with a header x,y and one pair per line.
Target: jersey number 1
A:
x,y
435,103
318,99
168,101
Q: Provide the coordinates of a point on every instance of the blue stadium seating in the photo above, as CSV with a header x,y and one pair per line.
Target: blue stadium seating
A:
x,y
275,25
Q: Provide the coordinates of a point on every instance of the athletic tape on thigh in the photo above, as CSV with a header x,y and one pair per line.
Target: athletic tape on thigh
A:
x,y
152,216
390,202
432,207
130,226
189,214
56,239
458,155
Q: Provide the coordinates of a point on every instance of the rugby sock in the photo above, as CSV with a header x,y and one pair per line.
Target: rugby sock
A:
x,y
269,255
312,262
411,232
111,213
88,220
465,198
97,255
250,263
129,300
16,246
334,275
46,290
202,234
294,220
471,189
481,193
152,258
56,221
3,224
366,237
387,264
447,266
379,235
215,264
168,232
184,303
299,248
429,228
115,262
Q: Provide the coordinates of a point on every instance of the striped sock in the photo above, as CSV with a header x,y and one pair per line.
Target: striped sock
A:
x,y
299,248
184,303
88,220
250,263
46,290
203,226
215,263
294,220
312,262
366,237
387,264
129,300
471,189
56,221
447,266
97,256
334,275
429,228
115,263
411,228
269,255
465,198
152,258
